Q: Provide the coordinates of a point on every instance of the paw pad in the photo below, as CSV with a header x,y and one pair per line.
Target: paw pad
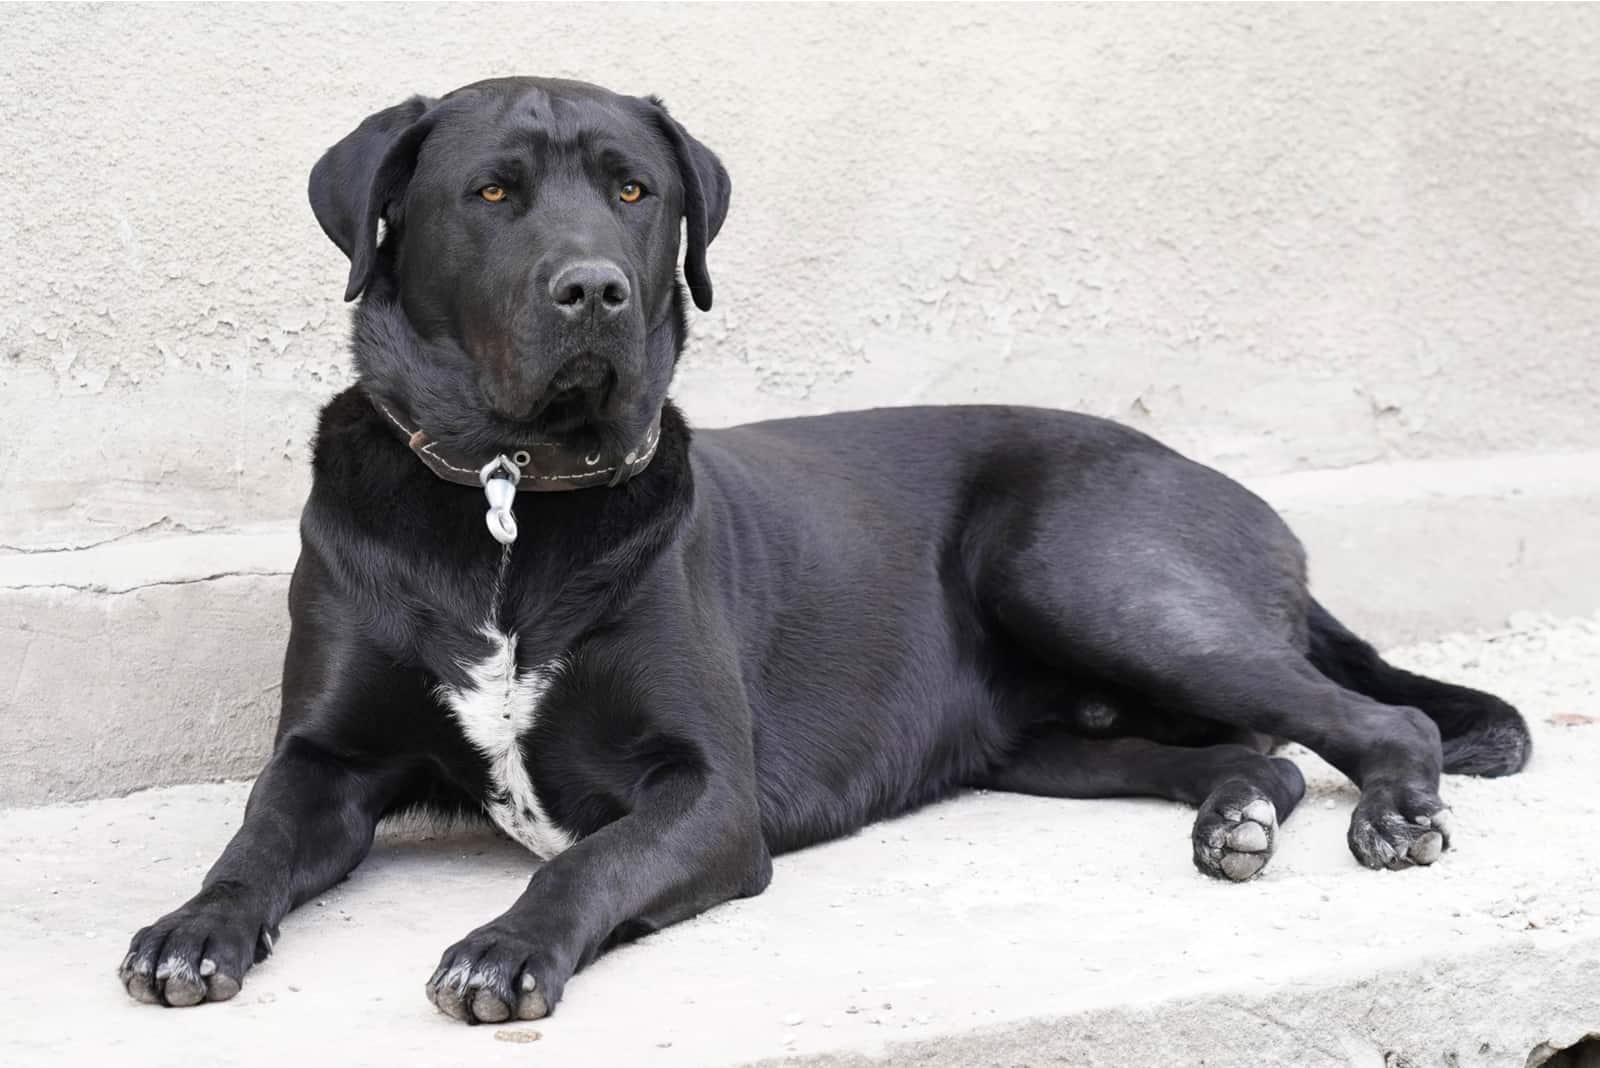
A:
x,y
1235,833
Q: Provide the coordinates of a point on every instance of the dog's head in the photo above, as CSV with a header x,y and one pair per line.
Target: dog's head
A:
x,y
529,239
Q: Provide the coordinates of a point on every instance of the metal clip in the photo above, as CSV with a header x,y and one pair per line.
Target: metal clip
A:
x,y
499,478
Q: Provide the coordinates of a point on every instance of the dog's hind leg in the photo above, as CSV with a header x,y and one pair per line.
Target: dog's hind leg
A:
x,y
1482,734
1242,794
1167,579
1222,666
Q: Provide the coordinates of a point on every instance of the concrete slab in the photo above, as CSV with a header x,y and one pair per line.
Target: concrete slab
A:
x,y
155,660
990,929
1408,551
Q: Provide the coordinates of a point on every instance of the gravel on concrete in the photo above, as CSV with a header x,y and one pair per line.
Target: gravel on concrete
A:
x,y
989,929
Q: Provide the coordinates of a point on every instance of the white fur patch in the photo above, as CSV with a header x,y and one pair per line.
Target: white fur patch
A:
x,y
497,708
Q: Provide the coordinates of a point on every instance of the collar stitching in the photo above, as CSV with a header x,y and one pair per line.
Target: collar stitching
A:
x,y
640,459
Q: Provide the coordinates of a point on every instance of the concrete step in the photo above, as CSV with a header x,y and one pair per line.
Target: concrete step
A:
x,y
986,930
154,661
141,663
1407,551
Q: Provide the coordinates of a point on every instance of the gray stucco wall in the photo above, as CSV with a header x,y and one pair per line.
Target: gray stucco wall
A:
x,y
1278,237
1285,239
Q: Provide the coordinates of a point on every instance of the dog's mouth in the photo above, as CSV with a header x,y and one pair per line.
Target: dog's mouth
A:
x,y
579,394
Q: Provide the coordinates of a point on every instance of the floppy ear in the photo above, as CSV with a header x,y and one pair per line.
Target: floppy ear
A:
x,y
705,201
355,182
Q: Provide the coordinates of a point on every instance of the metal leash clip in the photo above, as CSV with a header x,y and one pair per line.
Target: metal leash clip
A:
x,y
499,478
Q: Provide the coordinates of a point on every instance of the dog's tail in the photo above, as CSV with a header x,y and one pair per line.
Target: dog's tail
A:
x,y
1482,734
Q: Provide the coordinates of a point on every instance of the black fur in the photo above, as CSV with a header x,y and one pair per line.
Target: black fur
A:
x,y
775,633
1482,735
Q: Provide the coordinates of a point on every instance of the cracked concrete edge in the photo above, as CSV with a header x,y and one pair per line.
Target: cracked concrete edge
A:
x,y
1488,1008
153,661
123,565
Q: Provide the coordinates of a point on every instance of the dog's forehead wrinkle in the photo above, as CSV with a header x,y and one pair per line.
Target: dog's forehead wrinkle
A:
x,y
582,138
540,123
534,102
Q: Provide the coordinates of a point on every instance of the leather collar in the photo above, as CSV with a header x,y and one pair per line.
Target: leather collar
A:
x,y
543,467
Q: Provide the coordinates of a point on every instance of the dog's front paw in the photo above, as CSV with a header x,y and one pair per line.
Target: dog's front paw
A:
x,y
495,974
195,954
1396,827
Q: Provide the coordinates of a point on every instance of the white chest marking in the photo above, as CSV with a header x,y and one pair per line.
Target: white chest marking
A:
x,y
495,710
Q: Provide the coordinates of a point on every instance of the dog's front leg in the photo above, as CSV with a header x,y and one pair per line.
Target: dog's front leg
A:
x,y
310,819
687,845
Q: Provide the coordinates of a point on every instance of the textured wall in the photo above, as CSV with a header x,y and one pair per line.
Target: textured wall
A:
x,y
1278,236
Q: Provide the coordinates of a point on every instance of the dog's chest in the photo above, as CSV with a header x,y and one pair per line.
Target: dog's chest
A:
x,y
496,709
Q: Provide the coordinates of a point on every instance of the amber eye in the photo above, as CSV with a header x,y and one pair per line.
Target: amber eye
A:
x,y
630,192
492,193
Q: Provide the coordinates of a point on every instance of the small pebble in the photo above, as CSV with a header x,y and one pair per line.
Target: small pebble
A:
x,y
517,1034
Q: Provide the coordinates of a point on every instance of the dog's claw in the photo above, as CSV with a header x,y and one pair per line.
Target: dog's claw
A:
x,y
488,1008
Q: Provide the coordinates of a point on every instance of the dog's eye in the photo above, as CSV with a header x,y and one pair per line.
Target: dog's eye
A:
x,y
630,192
492,193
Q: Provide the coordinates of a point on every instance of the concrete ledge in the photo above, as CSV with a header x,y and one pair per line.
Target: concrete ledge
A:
x,y
990,929
149,662
141,663
1407,551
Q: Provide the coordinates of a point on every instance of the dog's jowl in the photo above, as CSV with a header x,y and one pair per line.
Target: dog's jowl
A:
x,y
656,659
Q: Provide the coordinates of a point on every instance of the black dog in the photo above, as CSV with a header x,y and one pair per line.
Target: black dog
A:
x,y
715,650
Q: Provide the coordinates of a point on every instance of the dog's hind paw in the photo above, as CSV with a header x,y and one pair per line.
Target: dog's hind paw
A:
x,y
1235,832
1399,828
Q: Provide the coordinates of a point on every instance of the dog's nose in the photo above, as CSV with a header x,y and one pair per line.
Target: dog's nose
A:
x,y
590,287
